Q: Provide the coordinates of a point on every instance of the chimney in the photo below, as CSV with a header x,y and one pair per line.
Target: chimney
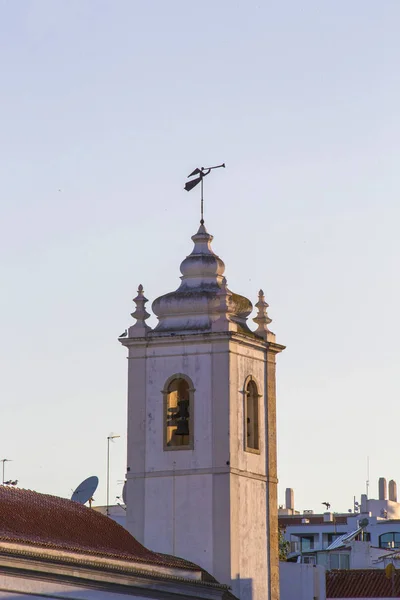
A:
x,y
382,489
364,503
392,491
289,497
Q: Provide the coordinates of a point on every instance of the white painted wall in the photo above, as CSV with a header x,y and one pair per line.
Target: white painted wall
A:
x,y
248,488
302,582
20,587
376,507
207,505
116,512
364,556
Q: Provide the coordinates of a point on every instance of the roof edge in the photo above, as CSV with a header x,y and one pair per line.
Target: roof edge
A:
x,y
127,565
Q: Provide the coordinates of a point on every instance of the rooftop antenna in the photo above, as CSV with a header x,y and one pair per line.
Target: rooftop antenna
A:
x,y
4,460
110,438
189,185
367,482
85,490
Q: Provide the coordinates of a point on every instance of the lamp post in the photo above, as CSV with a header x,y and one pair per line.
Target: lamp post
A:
x,y
111,437
4,460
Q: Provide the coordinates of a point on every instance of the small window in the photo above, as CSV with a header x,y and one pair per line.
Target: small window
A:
x,y
344,561
333,536
363,536
307,543
334,562
340,561
178,407
252,441
389,540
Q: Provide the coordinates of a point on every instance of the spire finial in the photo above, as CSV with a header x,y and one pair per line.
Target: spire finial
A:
x,y
189,185
224,322
140,314
262,319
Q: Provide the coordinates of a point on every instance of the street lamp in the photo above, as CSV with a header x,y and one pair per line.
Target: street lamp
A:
x,y
4,460
111,438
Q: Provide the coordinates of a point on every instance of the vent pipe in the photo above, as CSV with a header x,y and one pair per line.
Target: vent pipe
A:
x,y
382,489
392,491
289,497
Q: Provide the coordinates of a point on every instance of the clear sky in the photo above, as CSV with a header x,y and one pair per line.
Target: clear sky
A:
x,y
106,106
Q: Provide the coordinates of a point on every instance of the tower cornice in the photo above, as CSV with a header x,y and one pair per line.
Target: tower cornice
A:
x,y
168,339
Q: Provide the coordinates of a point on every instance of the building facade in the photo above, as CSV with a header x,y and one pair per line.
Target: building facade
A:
x,y
201,470
364,539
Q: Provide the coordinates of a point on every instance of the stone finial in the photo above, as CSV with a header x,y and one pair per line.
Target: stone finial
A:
x,y
262,319
224,322
140,314
224,297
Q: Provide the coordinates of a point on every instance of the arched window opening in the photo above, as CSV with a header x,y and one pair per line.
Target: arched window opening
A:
x,y
252,439
178,419
389,540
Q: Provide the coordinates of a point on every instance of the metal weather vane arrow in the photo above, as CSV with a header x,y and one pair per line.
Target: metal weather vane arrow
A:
x,y
189,185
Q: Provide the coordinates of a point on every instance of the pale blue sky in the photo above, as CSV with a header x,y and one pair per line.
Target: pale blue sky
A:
x,y
114,102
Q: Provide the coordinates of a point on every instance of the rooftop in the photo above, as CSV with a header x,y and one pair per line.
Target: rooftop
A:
x,y
41,520
362,583
288,520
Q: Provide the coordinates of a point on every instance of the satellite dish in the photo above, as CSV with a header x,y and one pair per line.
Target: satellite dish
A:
x,y
363,523
124,493
84,492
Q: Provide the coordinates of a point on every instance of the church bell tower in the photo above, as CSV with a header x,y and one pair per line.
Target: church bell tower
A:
x,y
201,464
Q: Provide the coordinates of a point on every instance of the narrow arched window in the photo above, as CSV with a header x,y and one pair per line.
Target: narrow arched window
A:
x,y
178,419
252,438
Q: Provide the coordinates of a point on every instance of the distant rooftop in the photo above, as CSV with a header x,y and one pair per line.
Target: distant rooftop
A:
x,y
361,583
312,519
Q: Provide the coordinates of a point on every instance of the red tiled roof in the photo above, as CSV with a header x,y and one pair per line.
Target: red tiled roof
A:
x,y
287,520
31,518
368,583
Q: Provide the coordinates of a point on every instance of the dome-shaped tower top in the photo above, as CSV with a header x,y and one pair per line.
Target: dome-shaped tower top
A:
x,y
202,264
196,304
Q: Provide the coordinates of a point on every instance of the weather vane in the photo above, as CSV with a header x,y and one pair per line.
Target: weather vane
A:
x,y
193,182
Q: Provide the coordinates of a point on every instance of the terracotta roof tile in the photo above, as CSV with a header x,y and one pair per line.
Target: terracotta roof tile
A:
x,y
368,583
27,517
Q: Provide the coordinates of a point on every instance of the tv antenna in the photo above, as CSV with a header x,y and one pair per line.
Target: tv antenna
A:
x,y
4,460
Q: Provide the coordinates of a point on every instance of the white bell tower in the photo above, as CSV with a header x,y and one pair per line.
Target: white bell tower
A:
x,y
201,465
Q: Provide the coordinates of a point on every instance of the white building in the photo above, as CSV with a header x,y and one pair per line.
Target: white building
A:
x,y
361,540
116,512
302,582
202,477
